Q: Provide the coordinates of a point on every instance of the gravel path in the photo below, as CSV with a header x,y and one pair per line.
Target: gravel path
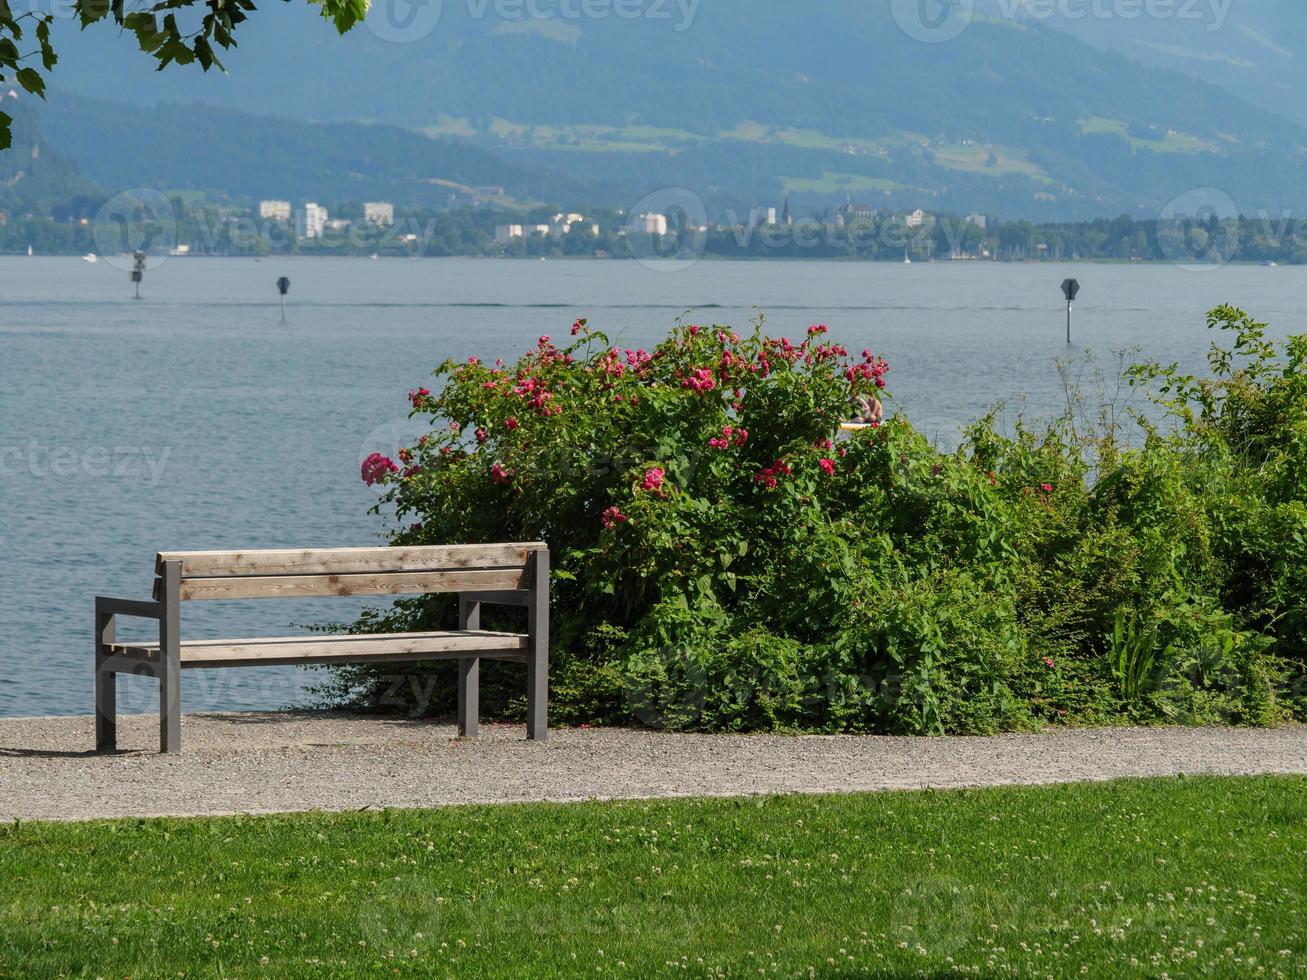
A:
x,y
276,762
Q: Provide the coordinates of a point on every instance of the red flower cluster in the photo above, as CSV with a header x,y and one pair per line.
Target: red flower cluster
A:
x,y
700,380
611,366
499,474
872,368
510,423
772,474
376,468
828,465
730,436
653,480
416,395
613,516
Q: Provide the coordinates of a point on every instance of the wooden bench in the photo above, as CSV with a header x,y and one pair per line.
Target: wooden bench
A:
x,y
498,574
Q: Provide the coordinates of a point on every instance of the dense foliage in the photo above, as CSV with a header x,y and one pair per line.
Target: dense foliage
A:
x,y
724,561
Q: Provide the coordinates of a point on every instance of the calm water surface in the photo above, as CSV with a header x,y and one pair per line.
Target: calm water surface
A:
x,y
194,419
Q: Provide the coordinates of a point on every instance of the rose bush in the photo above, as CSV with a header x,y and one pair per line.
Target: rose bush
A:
x,y
724,560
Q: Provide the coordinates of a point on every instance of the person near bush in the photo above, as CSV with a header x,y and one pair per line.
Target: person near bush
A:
x,y
868,410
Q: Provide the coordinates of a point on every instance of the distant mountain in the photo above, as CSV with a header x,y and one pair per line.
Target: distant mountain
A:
x,y
1255,50
751,101
234,154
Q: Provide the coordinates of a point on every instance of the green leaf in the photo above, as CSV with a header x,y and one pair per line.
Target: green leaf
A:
x,y
30,79
6,135
343,13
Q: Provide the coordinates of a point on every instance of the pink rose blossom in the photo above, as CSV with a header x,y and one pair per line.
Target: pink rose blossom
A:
x,y
376,468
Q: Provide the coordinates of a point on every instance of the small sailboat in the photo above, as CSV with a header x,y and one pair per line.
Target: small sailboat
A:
x,y
906,260
90,257
29,251
374,256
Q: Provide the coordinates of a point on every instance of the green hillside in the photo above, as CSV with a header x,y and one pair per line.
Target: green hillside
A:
x,y
226,153
753,98
34,178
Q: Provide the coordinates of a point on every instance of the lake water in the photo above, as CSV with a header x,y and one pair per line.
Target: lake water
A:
x,y
194,419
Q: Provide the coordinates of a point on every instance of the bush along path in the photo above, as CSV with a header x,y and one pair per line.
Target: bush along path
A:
x,y
724,563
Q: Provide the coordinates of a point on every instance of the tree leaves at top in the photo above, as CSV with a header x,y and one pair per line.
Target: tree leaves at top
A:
x,y
211,23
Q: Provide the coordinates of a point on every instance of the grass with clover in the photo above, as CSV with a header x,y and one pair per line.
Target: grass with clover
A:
x,y
1183,876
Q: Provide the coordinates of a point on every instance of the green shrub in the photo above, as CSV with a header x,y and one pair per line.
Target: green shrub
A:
x,y
723,561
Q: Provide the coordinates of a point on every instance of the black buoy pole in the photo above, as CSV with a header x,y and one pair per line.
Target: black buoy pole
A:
x,y
1070,288
283,287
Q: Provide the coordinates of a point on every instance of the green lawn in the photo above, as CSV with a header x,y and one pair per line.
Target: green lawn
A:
x,y
1152,877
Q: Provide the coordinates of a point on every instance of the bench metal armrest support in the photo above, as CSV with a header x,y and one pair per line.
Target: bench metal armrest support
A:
x,y
106,605
165,610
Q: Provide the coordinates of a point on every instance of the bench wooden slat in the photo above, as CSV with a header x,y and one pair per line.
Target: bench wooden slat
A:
x,y
399,583
348,561
273,650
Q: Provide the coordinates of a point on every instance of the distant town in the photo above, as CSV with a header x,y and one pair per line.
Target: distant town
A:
x,y
853,230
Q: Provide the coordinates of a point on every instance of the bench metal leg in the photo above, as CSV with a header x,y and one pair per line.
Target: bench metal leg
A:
x,y
106,689
170,659
537,664
469,671
469,691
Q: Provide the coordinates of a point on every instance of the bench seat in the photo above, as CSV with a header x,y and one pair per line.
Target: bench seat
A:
x,y
282,650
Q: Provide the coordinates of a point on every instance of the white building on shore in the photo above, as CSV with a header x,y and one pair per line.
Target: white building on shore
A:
x,y
653,224
311,220
274,210
380,213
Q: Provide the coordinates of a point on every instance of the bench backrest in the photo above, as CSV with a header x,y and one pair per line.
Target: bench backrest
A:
x,y
351,571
